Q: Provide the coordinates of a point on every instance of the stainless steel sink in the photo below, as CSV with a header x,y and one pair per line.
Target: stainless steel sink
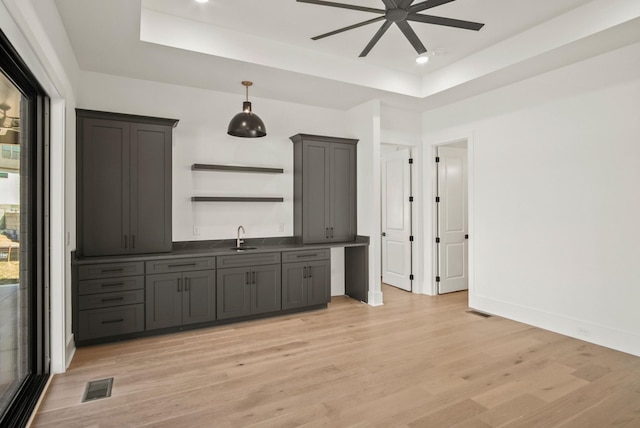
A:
x,y
244,248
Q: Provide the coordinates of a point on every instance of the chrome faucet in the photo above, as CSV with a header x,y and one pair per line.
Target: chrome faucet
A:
x,y
239,241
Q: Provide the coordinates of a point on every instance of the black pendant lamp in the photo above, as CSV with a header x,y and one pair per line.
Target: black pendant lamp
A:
x,y
246,124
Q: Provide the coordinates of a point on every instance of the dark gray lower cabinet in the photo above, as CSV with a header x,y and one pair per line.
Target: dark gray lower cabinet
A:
x,y
174,299
306,283
243,291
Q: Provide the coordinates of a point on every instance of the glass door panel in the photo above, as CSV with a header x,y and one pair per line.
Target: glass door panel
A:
x,y
14,293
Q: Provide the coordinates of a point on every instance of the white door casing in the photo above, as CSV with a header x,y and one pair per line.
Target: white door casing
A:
x,y
452,228
396,218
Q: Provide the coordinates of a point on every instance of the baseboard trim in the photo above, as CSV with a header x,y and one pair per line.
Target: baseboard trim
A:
x,y
618,340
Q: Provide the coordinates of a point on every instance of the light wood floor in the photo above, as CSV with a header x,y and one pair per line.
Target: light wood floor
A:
x,y
418,361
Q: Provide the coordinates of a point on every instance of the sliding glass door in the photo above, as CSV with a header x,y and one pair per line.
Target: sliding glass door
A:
x,y
23,238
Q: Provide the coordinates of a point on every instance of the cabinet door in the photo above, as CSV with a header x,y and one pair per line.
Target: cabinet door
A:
x,y
318,282
315,191
233,292
199,297
150,213
163,300
294,287
104,187
266,289
343,192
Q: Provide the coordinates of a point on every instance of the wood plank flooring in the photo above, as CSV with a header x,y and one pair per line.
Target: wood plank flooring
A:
x,y
417,361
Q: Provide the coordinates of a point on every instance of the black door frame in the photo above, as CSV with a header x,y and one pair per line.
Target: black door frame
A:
x,y
35,192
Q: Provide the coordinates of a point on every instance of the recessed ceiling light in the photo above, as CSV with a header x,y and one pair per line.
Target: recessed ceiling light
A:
x,y
202,1
422,59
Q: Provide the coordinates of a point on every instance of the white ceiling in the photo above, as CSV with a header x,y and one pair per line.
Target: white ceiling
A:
x,y
217,44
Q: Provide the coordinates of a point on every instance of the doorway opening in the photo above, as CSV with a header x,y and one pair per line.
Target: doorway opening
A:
x,y
451,209
396,217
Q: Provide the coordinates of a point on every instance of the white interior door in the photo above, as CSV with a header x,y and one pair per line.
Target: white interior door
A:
x,y
396,219
452,220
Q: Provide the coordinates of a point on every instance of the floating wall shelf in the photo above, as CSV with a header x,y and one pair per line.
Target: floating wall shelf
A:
x,y
234,199
232,168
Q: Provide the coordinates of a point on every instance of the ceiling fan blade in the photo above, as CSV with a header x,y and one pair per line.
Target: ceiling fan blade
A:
x,y
411,36
390,4
427,5
350,27
375,38
404,4
448,22
342,5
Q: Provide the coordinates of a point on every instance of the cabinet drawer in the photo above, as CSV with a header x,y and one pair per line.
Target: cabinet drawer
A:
x,y
181,265
95,323
251,259
306,255
105,300
94,286
110,270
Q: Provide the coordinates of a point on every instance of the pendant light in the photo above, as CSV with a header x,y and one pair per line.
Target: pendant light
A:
x,y
246,124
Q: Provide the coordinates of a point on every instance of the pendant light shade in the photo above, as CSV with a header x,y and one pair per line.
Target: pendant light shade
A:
x,y
246,124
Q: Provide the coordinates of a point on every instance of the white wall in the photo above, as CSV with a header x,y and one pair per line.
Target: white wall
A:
x,y
36,32
200,137
554,237
364,122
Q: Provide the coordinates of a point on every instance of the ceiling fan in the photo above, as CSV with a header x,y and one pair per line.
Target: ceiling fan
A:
x,y
8,123
397,12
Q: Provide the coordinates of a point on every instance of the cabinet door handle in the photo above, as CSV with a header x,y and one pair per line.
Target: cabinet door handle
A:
x,y
111,270
332,232
115,284
125,241
181,265
186,284
112,299
309,274
304,272
246,277
179,288
253,274
133,241
113,321
326,233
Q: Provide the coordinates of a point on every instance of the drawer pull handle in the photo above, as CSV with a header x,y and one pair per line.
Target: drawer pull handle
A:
x,y
111,270
182,265
113,299
306,255
114,284
113,321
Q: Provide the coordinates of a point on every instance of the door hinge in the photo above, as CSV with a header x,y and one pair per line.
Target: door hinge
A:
x,y
466,236
437,198
437,159
410,198
410,160
437,240
411,238
411,277
437,279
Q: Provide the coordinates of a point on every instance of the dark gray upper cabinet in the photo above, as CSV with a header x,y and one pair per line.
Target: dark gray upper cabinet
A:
x,y
324,188
124,183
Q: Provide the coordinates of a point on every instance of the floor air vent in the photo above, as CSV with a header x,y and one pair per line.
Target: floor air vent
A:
x,y
98,389
480,314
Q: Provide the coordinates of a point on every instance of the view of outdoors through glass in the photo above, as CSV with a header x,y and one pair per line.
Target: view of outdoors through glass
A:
x,y
13,304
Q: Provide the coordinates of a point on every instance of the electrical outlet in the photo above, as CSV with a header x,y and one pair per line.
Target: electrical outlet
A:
x,y
196,230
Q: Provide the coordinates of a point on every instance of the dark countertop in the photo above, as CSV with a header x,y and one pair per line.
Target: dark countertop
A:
x,y
223,247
